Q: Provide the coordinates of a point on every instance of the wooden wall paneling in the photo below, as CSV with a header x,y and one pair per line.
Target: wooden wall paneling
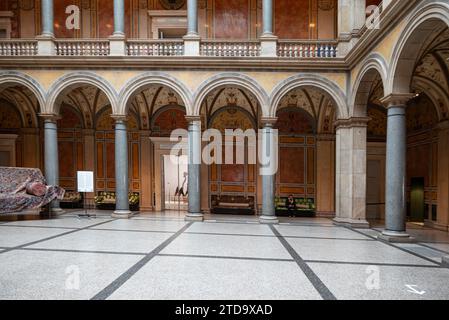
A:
x,y
231,19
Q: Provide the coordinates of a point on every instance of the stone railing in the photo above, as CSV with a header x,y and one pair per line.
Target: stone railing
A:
x,y
218,48
18,47
83,47
155,48
307,49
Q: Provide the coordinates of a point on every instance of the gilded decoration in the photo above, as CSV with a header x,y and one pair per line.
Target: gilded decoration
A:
x,y
231,117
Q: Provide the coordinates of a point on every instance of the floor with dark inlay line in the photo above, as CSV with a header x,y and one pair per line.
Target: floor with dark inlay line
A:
x,y
160,256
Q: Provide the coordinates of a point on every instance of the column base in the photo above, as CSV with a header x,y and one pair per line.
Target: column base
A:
x,y
194,217
57,211
121,214
268,220
445,262
395,237
351,223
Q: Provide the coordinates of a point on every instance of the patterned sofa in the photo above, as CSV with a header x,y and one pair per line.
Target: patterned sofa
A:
x,y
14,197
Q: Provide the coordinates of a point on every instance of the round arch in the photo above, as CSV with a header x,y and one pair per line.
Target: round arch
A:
x,y
419,24
12,77
309,80
139,82
373,66
234,80
434,94
74,79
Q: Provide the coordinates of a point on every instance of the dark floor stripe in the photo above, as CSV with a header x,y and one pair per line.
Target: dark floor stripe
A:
x,y
117,283
130,230
325,293
84,251
430,247
397,247
52,237
372,264
42,227
223,257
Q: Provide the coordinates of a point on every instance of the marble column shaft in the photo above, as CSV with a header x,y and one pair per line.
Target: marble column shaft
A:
x,y
51,155
121,167
267,14
119,17
194,169
395,207
268,180
192,17
47,18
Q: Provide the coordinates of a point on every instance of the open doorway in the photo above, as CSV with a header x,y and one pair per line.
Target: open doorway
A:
x,y
175,182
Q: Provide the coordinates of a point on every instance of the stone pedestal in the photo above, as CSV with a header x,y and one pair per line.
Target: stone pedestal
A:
x,y
191,45
117,45
46,46
268,46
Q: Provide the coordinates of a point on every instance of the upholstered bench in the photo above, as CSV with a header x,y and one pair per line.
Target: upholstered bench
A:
x,y
24,191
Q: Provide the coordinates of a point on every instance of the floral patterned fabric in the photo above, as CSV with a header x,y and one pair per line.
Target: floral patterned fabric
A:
x,y
13,195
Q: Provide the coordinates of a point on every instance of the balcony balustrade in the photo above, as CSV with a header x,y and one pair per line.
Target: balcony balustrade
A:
x,y
18,47
155,48
217,48
82,48
307,49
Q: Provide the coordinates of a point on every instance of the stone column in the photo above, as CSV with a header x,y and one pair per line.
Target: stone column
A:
x,y
192,17
194,184
121,169
47,18
192,38
395,198
45,43
117,40
268,157
51,155
268,41
351,172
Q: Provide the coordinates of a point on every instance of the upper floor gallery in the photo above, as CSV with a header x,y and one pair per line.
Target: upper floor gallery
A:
x,y
223,28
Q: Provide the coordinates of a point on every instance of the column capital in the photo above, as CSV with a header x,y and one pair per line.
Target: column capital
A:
x,y
50,117
268,121
397,99
191,119
119,117
354,122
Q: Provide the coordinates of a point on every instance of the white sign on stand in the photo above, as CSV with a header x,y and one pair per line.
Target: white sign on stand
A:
x,y
85,181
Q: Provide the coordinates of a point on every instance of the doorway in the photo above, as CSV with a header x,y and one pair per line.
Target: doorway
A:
x,y
175,177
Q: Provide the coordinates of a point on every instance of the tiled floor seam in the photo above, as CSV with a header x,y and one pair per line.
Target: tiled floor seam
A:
x,y
397,247
117,283
52,237
324,291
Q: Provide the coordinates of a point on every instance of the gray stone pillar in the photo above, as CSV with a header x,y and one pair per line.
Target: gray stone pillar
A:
x,y
47,18
51,156
267,17
121,169
268,41
119,17
395,206
268,157
350,171
194,184
192,17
